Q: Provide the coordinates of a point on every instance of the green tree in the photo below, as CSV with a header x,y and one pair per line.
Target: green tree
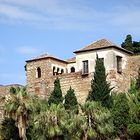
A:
x,y
74,126
128,43
99,124
100,88
134,104
71,100
138,80
48,123
56,95
8,130
17,106
134,125
120,114
136,47
132,88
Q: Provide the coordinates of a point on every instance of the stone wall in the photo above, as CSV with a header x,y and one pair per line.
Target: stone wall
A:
x,y
134,64
81,84
121,82
32,80
36,84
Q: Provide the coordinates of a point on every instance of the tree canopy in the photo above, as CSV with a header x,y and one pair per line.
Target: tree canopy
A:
x,y
131,45
100,88
70,100
56,95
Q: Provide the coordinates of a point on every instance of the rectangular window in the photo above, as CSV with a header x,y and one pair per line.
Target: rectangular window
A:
x,y
85,67
119,64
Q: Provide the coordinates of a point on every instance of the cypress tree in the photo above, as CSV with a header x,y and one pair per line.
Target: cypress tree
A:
x,y
71,100
100,88
128,43
56,95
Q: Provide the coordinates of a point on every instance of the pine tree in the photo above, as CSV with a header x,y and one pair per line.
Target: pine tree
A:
x,y
128,43
56,95
100,88
71,100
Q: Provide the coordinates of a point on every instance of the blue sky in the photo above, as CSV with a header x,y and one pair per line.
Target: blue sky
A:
x,y
31,27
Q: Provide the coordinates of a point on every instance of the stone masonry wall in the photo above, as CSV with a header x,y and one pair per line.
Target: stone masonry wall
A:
x,y
32,80
121,82
40,85
81,85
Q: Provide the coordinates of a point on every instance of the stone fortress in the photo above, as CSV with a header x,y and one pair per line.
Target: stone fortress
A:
x,y
121,66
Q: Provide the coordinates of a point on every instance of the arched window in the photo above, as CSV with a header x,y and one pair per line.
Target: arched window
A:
x,y
62,71
72,69
54,70
57,71
38,72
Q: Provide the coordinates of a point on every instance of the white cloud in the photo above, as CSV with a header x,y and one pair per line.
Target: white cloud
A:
x,y
16,13
74,14
27,50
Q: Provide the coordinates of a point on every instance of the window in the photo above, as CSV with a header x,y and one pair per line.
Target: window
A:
x,y
53,70
62,71
38,72
72,69
85,67
57,71
119,64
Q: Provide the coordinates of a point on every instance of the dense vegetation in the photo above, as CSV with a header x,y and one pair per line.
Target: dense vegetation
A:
x,y
131,45
104,116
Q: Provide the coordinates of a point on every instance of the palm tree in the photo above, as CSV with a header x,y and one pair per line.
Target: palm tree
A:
x,y
74,126
99,123
18,104
48,123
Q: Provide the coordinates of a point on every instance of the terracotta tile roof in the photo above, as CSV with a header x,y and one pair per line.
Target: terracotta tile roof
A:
x,y
71,60
43,56
46,56
101,44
